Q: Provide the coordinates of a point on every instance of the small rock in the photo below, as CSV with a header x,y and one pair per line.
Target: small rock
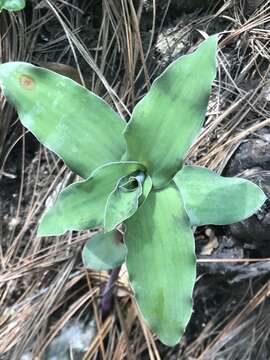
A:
x,y
212,244
75,337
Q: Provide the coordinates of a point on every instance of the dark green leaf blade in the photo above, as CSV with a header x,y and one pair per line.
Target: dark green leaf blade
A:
x,y
67,118
213,199
166,121
161,263
104,251
12,5
81,205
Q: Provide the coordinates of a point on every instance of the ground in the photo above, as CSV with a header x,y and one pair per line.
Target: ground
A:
x,y
49,303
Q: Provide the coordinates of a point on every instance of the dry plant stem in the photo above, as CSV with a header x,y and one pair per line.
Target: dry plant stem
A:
x,y
51,256
107,294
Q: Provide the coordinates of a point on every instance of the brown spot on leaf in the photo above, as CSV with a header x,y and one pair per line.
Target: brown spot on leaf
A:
x,y
27,82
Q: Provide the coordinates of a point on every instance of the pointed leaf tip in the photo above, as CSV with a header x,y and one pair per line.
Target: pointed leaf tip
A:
x,y
161,263
81,206
67,118
166,121
213,199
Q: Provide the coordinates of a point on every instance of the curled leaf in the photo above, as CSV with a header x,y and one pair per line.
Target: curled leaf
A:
x,y
81,205
123,202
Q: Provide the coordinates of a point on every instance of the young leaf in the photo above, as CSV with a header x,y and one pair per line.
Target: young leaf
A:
x,y
161,262
12,5
213,199
121,204
81,205
67,118
166,121
104,251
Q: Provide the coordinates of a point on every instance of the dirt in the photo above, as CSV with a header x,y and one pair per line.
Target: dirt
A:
x,y
223,289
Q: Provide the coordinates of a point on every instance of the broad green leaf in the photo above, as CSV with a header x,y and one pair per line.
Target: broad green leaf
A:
x,y
104,251
81,205
124,201
67,118
161,263
12,5
166,121
213,199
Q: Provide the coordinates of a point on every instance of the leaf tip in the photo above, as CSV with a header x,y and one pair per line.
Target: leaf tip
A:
x,y
43,231
262,197
47,227
6,68
170,338
13,74
258,196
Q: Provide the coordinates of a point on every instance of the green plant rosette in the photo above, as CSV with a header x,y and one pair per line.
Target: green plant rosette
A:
x,y
134,174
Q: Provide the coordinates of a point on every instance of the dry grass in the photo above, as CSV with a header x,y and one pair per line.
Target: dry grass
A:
x,y
42,282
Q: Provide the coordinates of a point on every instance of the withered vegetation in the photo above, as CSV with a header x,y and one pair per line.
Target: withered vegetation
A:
x,y
116,49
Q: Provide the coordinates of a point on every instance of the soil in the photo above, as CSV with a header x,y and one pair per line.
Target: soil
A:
x,y
223,289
